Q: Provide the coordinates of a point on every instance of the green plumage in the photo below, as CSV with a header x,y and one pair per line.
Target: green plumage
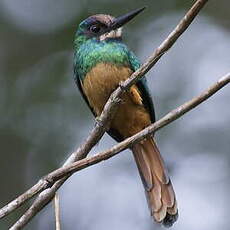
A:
x,y
93,51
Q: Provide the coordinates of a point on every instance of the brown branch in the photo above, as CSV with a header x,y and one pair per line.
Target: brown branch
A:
x,y
101,123
167,119
167,43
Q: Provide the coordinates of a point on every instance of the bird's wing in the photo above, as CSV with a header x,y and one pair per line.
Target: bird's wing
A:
x,y
142,86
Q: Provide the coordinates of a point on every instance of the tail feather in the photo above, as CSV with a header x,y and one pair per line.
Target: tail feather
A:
x,y
158,187
156,160
168,194
145,172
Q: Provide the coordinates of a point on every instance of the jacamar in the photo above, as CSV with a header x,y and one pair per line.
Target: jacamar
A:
x,y
101,61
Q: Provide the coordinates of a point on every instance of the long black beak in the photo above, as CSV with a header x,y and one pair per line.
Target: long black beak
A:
x,y
120,21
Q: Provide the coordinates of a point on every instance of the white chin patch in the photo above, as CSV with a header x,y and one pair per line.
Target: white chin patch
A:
x,y
112,34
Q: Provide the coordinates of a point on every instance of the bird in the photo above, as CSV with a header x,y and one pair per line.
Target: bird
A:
x,y
101,61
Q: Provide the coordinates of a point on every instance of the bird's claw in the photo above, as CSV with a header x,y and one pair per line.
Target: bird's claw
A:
x,y
122,86
98,121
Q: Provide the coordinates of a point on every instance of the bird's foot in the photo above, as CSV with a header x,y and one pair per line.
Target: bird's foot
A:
x,y
98,121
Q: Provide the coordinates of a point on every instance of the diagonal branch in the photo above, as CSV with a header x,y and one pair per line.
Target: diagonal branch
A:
x,y
101,125
127,143
167,119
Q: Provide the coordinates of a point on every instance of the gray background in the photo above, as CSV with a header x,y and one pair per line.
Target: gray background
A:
x,y
43,116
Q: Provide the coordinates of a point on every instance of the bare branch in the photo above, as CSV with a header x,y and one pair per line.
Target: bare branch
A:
x,y
167,119
101,124
167,43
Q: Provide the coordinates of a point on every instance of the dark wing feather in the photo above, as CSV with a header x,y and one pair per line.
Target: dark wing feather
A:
x,y
145,94
142,86
147,99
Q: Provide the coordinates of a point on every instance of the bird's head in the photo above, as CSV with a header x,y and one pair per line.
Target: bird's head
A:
x,y
102,26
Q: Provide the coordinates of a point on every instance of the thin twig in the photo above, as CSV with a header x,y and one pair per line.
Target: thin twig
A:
x,y
104,119
57,211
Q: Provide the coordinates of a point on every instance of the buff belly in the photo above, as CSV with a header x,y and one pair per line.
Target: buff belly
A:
x,y
100,82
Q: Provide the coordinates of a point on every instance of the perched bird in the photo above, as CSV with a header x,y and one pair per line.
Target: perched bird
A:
x,y
101,61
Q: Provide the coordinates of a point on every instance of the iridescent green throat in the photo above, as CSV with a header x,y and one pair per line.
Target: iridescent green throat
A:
x,y
89,52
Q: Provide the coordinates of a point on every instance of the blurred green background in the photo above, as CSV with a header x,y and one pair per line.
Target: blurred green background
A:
x,y
43,116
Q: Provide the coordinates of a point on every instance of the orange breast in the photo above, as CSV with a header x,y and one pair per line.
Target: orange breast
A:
x,y
100,82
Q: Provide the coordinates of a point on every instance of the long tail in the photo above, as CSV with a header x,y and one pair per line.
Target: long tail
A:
x,y
158,187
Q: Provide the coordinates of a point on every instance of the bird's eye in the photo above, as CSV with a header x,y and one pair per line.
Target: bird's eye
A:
x,y
95,29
